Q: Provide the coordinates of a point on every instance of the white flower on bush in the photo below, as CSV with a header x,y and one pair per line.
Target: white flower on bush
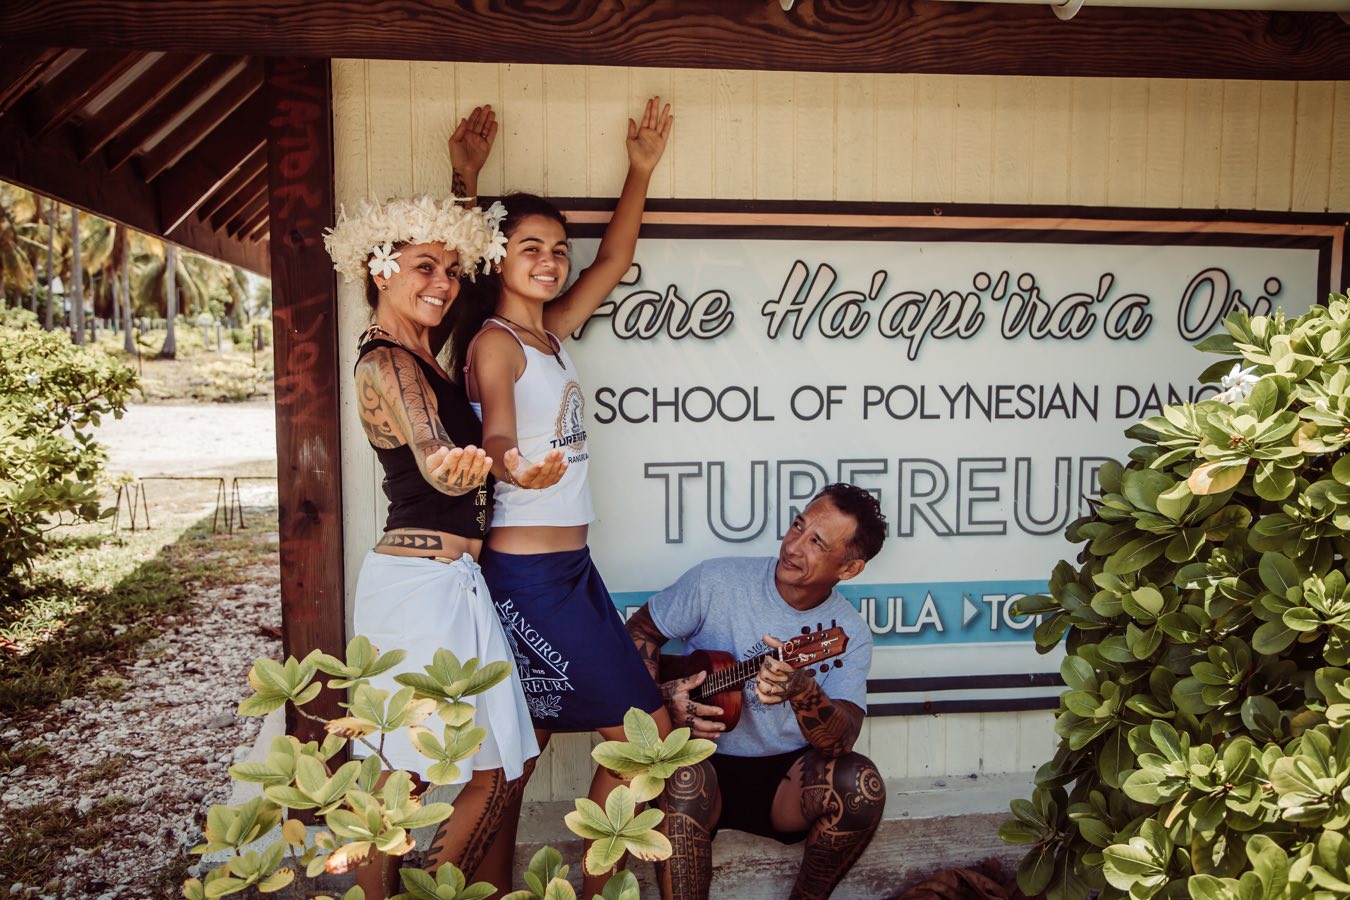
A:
x,y
33,379
1238,383
382,262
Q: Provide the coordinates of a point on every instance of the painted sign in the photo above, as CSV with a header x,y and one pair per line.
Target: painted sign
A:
x,y
973,372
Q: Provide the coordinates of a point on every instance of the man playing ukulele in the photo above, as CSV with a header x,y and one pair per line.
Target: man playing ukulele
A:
x,y
788,770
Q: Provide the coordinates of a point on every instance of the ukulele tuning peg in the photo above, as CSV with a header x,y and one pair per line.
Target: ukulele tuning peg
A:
x,y
825,668
806,629
820,626
834,623
838,663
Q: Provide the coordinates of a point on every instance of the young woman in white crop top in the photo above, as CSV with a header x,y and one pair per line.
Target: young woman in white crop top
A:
x,y
578,666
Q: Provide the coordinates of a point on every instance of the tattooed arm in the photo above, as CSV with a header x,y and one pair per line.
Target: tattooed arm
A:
x,y
470,144
398,408
830,726
684,710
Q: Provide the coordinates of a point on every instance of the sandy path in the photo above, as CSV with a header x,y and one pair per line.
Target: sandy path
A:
x,y
195,439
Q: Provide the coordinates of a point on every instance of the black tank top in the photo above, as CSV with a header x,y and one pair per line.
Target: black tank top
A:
x,y
413,502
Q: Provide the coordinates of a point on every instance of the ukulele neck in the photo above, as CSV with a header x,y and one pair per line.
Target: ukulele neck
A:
x,y
731,676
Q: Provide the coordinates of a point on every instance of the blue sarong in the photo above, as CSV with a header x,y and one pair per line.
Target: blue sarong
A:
x,y
577,664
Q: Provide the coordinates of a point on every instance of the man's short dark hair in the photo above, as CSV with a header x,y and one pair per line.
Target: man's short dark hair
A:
x,y
865,510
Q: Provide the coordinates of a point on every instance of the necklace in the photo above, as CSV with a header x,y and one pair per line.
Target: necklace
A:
x,y
534,334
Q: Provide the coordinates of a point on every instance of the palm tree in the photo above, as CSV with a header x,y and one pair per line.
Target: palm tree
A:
x,y
170,348
76,292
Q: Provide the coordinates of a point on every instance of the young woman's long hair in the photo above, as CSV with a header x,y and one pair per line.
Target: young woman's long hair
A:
x,y
477,299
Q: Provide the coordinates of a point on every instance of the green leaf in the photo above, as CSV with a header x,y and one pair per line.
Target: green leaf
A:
x,y
1035,871
1137,554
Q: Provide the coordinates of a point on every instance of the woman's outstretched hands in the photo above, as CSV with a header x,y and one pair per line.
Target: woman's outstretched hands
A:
x,y
472,140
535,476
647,140
458,470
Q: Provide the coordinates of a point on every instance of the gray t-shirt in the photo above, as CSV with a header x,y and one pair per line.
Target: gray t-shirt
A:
x,y
730,604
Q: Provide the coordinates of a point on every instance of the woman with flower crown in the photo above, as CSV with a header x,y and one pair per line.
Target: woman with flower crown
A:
x,y
578,666
420,588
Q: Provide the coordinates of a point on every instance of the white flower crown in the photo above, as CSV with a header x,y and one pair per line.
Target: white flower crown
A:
x,y
375,228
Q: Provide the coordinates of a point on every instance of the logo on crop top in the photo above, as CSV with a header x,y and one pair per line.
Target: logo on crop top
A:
x,y
570,428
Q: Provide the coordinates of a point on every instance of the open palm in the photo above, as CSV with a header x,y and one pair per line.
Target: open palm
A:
x,y
647,140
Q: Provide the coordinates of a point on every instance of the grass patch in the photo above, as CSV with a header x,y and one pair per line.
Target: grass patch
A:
x,y
95,599
38,837
21,755
107,769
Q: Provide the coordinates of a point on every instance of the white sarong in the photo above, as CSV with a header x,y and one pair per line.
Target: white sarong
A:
x,y
421,605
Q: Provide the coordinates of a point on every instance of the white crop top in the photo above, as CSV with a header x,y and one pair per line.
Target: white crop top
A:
x,y
550,414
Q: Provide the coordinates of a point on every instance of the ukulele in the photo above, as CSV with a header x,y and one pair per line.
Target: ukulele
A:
x,y
726,674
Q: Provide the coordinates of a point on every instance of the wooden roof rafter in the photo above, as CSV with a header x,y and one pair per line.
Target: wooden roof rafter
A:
x,y
143,137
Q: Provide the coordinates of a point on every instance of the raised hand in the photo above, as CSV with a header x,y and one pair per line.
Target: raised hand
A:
x,y
535,476
647,140
458,470
687,713
777,681
472,141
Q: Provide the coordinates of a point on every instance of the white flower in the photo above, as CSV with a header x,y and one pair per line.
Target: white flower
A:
x,y
470,232
1237,384
33,379
382,261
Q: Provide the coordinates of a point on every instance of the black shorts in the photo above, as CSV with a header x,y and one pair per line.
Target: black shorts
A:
x,y
748,785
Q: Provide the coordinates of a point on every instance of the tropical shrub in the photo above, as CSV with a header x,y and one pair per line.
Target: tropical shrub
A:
x,y
1204,750
360,818
52,393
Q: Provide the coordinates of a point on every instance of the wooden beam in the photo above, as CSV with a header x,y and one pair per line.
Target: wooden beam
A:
x,y
192,130
84,79
818,35
204,79
305,342
254,225
20,69
147,90
253,167
184,187
244,199
52,167
237,227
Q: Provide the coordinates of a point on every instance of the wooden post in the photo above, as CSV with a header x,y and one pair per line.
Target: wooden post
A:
x,y
304,329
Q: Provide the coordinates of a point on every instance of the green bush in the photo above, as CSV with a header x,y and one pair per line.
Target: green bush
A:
x,y
51,394
1203,746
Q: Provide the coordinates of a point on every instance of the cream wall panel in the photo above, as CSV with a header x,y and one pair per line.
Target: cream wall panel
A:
x,y
815,134
1313,129
1051,134
1014,140
1127,142
935,130
1204,141
520,129
693,145
1089,136
1166,142
434,117
973,152
388,127
891,138
1238,152
1275,145
896,138
854,132
775,118
1338,188
734,134
566,126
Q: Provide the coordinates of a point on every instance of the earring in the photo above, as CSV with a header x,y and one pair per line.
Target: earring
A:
x,y
384,287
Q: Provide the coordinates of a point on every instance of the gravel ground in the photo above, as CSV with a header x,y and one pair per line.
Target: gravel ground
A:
x,y
164,745
188,439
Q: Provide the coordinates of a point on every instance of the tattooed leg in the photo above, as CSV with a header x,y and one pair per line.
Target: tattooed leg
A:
x,y
464,838
693,805
498,863
842,799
